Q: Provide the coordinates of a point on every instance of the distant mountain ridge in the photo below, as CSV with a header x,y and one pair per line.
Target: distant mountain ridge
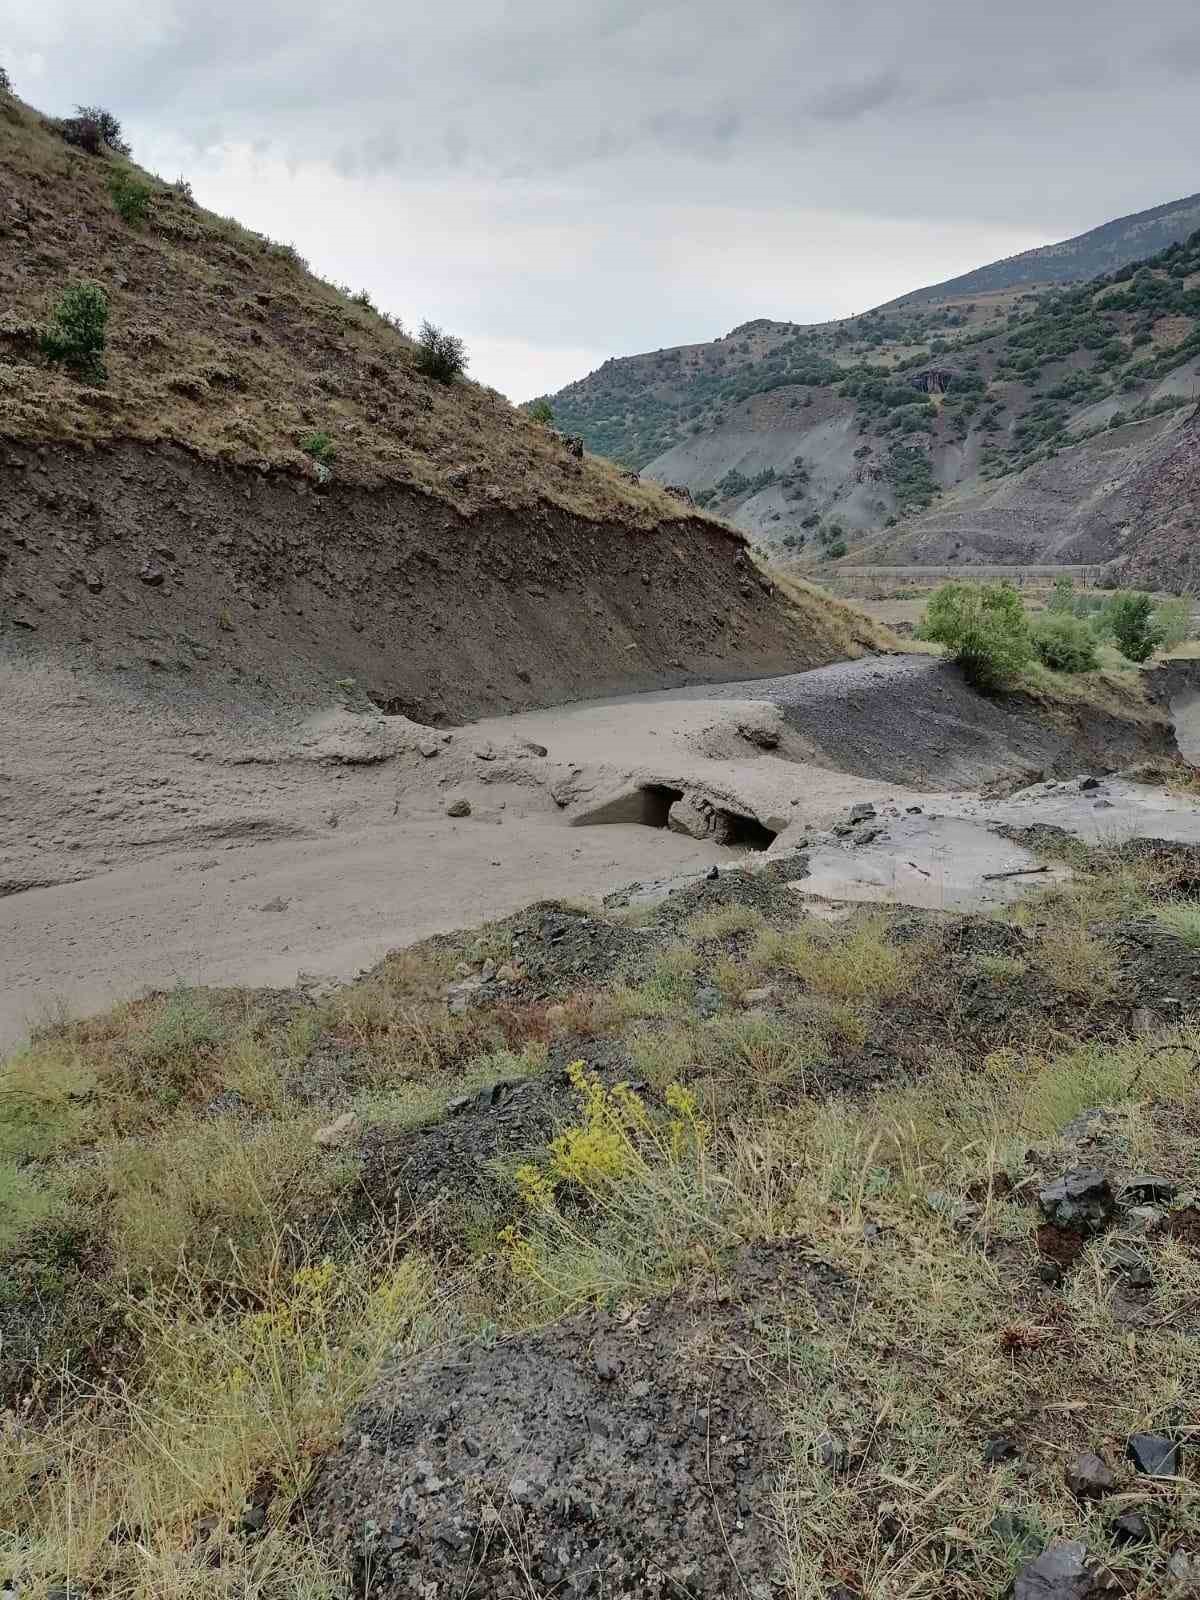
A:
x,y
1103,249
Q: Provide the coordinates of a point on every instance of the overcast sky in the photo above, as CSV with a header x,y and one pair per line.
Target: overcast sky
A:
x,y
560,182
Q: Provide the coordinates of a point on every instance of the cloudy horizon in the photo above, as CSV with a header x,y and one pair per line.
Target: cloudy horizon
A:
x,y
562,184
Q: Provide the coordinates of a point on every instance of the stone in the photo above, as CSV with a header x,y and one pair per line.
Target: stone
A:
x,y
863,812
1153,1455
1146,1189
1089,1477
997,1451
487,972
151,575
458,995
1061,1572
914,811
1081,1201
1130,1527
1088,783
254,1519
341,1131
460,806
508,973
429,747
829,1451
712,875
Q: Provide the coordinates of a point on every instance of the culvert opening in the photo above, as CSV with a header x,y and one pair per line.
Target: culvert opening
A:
x,y
748,832
654,803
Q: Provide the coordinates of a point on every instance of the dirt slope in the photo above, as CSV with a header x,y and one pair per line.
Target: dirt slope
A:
x,y
449,555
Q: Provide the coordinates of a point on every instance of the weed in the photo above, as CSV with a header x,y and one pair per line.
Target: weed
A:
x,y
130,195
854,966
78,330
319,446
1183,921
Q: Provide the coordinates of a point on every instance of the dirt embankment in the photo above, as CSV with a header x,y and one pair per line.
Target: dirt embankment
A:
x,y
153,561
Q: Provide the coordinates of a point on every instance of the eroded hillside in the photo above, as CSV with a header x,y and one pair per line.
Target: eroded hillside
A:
x,y
265,487
810,437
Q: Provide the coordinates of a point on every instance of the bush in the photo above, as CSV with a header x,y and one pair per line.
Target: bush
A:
x,y
91,128
1173,618
440,355
984,628
835,551
1064,643
78,329
1131,621
130,195
1063,597
5,82
319,446
541,411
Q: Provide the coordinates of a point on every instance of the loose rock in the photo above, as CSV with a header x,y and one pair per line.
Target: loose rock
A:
x,y
459,807
1154,1455
342,1131
1089,1477
1081,1201
1061,1572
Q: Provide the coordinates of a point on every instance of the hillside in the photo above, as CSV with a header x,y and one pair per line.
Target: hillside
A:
x,y
1103,249
805,437
265,490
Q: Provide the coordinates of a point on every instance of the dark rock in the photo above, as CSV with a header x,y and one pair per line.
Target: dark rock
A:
x,y
1081,1201
93,583
1050,1272
1088,783
253,1519
1145,1189
829,1451
863,812
460,807
1130,1528
712,874
1061,1572
996,1451
1154,1455
1089,1477
914,811
151,575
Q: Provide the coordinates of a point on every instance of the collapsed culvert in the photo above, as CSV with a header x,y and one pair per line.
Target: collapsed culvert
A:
x,y
659,805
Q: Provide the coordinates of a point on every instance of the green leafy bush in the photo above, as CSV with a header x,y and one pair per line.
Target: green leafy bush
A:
x,y
1063,596
1064,643
91,128
78,329
984,628
440,355
319,446
130,195
541,411
835,551
1134,628
5,82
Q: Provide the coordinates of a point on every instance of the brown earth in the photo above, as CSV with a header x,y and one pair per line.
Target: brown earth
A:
x,y
156,562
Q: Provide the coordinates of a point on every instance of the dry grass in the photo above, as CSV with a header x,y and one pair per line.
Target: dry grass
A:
x,y
221,340
841,627
225,1305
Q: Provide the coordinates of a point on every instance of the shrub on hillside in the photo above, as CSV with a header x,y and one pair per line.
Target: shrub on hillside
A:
x,y
440,355
541,411
319,446
5,82
91,129
130,195
78,329
1134,628
1064,643
984,628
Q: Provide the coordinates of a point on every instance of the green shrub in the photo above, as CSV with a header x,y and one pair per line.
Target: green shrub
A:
x,y
540,411
835,551
363,298
5,82
440,355
984,628
1064,643
78,329
319,446
1131,621
1063,597
1173,619
130,195
95,122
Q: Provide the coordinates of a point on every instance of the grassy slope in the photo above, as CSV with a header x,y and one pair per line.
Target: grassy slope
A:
x,y
221,340
223,1290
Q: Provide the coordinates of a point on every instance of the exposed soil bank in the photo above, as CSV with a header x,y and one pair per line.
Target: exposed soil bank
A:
x,y
154,562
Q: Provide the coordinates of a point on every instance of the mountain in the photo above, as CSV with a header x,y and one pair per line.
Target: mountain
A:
x,y
1087,255
265,491
633,409
813,439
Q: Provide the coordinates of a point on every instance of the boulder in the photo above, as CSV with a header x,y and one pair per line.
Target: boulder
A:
x,y
1081,1201
460,806
1061,1572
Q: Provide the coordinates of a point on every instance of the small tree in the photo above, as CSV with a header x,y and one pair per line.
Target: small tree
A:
x,y
984,628
5,82
1174,620
78,329
440,355
541,411
106,126
1135,630
1063,597
1064,643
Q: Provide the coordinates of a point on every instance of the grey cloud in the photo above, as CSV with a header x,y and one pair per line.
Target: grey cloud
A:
x,y
842,102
